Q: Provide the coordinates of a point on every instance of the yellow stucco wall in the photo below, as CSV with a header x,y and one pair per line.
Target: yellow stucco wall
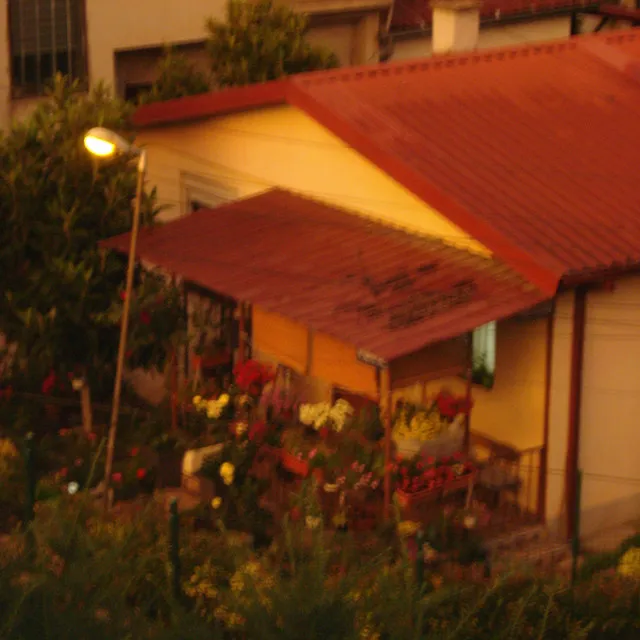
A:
x,y
243,154
512,411
327,361
610,433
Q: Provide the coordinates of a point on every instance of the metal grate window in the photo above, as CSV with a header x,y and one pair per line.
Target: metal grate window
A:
x,y
47,37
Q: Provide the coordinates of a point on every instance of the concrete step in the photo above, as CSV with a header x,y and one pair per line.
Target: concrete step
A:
x,y
520,538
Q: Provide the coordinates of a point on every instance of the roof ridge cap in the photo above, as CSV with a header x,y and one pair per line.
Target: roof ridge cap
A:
x,y
604,50
436,61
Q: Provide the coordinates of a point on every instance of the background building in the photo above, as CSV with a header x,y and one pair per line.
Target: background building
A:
x,y
120,41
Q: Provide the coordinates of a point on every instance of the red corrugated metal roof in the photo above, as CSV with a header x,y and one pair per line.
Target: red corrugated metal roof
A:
x,y
531,150
416,14
372,286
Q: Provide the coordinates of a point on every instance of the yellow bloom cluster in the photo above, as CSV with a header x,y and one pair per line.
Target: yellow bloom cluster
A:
x,y
213,408
322,414
630,564
227,473
8,454
408,528
201,585
231,619
422,426
252,574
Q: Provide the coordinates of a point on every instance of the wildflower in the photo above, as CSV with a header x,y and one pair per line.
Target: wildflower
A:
x,y
216,502
78,462
91,436
313,522
141,473
63,472
630,563
469,521
134,452
77,384
73,487
197,400
241,428
227,472
117,477
407,528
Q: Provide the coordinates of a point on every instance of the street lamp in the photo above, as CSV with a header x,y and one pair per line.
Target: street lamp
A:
x,y
104,143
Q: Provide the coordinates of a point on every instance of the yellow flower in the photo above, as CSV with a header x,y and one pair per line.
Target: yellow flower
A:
x,y
407,528
197,400
227,471
216,502
223,400
241,427
630,563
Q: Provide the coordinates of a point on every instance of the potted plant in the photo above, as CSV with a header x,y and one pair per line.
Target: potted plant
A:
x,y
422,481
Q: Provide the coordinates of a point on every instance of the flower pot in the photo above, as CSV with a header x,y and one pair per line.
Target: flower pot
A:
x,y
295,465
169,469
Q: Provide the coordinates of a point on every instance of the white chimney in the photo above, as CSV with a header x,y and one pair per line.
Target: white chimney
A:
x,y
456,25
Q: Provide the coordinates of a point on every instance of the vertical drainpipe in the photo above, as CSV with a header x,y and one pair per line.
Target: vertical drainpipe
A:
x,y
544,454
575,398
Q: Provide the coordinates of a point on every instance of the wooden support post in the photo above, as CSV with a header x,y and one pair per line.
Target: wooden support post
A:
x,y
309,364
173,373
384,394
467,420
241,332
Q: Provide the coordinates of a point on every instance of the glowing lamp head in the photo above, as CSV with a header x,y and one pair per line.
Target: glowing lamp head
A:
x,y
99,147
103,142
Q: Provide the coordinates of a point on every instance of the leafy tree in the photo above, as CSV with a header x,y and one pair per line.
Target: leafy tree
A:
x,y
57,286
262,41
177,77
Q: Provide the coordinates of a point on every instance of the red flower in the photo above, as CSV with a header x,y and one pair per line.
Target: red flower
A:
x,y
141,473
324,433
145,317
49,383
63,472
117,477
258,431
91,436
123,295
134,452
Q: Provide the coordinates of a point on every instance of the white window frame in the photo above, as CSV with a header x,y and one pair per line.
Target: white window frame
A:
x,y
484,344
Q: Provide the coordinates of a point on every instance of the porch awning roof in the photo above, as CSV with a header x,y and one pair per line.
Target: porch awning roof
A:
x,y
375,287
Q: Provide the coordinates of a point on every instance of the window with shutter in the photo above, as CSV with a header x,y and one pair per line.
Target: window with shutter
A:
x,y
46,37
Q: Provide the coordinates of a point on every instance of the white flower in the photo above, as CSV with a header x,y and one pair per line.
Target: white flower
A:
x,y
73,487
313,523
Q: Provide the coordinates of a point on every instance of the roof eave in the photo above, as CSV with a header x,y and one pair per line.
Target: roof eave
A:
x,y
209,105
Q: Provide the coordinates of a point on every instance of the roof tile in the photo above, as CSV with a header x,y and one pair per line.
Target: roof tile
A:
x,y
370,285
531,150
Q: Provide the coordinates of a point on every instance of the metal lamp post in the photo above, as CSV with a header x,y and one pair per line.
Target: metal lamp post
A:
x,y
104,143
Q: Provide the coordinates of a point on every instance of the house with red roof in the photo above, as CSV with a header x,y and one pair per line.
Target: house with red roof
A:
x,y
393,209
